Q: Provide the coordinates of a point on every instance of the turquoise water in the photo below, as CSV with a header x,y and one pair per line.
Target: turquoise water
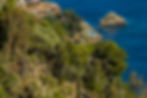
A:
x,y
132,38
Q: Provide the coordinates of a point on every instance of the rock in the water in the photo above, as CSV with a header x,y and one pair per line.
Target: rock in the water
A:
x,y
112,20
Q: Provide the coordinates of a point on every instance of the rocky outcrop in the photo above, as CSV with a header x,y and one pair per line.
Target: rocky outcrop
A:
x,y
39,7
88,33
42,9
21,3
112,20
2,2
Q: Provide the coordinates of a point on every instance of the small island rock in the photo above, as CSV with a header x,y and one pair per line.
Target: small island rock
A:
x,y
112,20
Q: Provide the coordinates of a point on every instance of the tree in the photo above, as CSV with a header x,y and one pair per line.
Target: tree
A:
x,y
113,58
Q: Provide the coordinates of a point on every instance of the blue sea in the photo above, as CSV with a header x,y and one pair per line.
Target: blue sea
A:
x,y
132,38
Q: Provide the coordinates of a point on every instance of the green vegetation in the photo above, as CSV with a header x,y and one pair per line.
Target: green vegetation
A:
x,y
39,59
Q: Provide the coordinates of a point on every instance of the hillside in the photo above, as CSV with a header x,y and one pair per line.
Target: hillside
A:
x,y
56,56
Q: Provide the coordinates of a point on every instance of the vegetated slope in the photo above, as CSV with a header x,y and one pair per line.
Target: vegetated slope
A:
x,y
39,58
